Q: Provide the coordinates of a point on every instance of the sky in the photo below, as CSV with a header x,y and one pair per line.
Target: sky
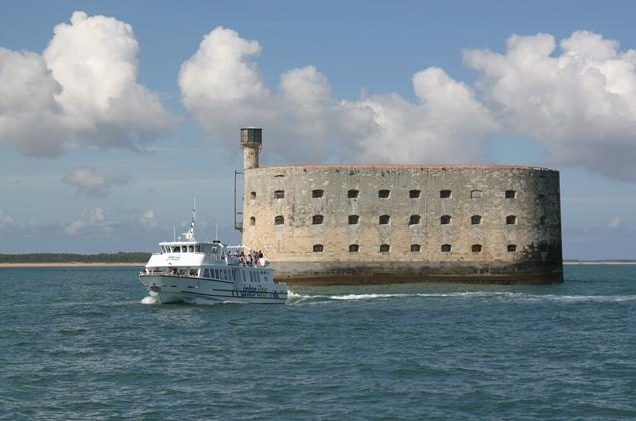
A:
x,y
116,115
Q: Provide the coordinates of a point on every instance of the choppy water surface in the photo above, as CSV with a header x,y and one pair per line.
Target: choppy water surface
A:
x,y
78,343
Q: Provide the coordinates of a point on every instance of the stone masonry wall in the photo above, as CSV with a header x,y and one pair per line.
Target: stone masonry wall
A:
x,y
414,234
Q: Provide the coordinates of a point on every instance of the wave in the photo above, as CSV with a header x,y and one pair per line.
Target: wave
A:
x,y
296,298
150,299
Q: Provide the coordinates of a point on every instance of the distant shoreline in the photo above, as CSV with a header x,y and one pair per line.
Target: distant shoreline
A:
x,y
68,264
599,262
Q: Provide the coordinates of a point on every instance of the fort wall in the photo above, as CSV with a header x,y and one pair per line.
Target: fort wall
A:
x,y
333,224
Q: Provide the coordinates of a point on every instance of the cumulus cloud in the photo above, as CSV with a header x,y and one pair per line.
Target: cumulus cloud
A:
x,y
90,218
86,180
83,88
578,102
222,87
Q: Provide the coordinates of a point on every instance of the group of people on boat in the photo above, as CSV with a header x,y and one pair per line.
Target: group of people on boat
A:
x,y
253,258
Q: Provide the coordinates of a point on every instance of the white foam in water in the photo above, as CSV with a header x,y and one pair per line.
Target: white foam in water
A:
x,y
151,299
366,296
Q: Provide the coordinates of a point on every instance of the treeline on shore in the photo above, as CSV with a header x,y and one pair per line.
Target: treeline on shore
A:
x,y
120,257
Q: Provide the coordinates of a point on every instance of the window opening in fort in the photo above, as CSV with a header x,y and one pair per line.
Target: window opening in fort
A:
x,y
317,193
511,220
316,219
511,194
445,219
253,195
415,248
475,219
444,194
354,219
475,194
446,248
352,194
385,248
318,248
279,194
279,220
384,219
354,248
383,194
512,248
414,194
542,220
541,197
252,220
476,248
414,220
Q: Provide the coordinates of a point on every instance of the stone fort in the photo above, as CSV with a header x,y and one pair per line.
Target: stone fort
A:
x,y
360,224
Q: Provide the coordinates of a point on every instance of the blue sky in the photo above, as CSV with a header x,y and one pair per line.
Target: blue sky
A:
x,y
115,121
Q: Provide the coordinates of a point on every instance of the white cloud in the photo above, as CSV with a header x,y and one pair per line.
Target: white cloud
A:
x,y
6,219
83,88
579,104
221,86
148,219
86,180
89,219
615,222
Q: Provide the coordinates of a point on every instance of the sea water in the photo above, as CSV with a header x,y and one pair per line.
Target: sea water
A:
x,y
86,343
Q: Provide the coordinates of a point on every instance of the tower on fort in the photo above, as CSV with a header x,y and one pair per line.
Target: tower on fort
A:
x,y
251,142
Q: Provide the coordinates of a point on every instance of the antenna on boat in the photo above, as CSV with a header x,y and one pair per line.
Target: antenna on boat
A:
x,y
216,236
190,234
174,232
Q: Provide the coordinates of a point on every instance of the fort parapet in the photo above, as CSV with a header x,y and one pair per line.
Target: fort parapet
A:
x,y
337,224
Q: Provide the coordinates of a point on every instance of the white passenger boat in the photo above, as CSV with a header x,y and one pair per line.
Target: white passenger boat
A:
x,y
184,271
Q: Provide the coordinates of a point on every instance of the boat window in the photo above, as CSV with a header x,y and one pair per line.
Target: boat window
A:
x,y
206,273
197,248
216,273
214,250
191,249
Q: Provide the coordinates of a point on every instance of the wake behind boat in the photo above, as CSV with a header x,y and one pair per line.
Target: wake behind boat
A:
x,y
186,270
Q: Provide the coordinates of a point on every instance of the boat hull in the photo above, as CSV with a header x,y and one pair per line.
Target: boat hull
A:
x,y
173,289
